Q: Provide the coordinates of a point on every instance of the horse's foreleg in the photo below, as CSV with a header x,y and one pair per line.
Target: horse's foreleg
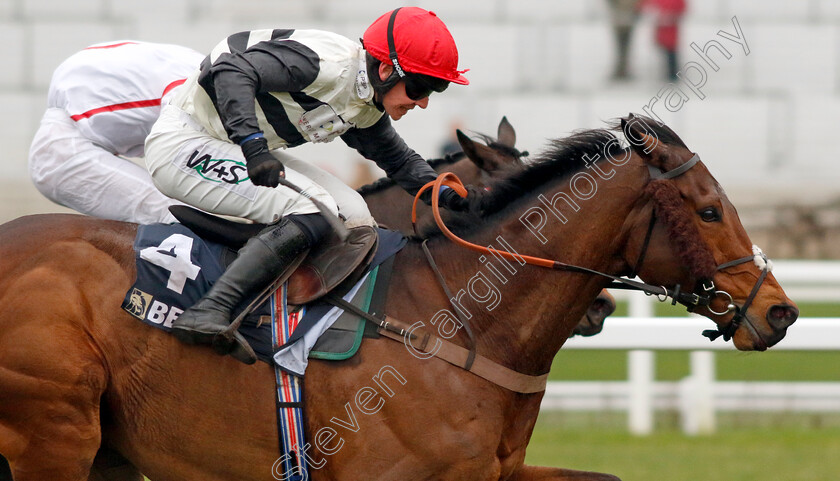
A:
x,y
539,473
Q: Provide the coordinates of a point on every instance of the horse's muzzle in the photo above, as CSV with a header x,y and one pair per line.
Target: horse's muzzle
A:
x,y
781,316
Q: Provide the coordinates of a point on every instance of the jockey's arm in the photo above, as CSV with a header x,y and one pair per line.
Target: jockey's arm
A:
x,y
234,79
383,145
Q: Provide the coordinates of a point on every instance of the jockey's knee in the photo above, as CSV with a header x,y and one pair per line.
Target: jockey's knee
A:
x,y
314,226
41,181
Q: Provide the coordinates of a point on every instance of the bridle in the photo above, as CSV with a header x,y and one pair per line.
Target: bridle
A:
x,y
704,290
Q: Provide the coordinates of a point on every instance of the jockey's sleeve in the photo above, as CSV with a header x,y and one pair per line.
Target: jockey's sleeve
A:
x,y
383,145
234,79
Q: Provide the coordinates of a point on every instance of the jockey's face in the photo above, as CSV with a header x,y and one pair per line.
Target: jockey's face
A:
x,y
395,101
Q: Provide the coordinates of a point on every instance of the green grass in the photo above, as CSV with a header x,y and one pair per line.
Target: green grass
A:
x,y
746,447
785,451
611,365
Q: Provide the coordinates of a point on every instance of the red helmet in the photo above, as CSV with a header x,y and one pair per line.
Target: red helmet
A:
x,y
416,41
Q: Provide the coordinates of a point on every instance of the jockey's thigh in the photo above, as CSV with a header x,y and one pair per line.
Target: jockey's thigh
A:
x,y
198,169
73,171
351,205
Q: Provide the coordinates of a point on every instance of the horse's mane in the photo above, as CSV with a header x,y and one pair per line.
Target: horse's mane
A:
x,y
562,158
386,182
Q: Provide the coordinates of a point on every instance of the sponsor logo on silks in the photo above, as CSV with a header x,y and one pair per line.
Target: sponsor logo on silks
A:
x,y
228,171
138,303
362,85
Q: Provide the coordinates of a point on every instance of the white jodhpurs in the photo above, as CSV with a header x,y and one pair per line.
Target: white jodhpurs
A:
x,y
73,171
198,169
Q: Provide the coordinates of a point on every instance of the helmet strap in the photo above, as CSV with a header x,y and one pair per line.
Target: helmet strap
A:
x,y
392,46
380,87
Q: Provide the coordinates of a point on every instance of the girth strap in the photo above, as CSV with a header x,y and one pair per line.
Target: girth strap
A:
x,y
448,351
456,355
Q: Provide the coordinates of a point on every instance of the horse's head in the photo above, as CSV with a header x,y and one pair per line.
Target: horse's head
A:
x,y
593,321
494,155
684,232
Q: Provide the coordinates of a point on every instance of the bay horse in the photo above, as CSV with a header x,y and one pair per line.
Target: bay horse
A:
x,y
477,164
88,392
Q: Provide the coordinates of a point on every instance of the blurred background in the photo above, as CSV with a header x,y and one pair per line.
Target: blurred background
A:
x,y
764,123
765,127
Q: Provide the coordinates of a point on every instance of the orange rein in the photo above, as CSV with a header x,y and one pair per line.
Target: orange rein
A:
x,y
458,186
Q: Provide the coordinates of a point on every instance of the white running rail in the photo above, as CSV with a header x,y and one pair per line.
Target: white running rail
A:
x,y
699,396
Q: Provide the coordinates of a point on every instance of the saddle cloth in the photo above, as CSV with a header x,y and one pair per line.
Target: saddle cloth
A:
x,y
175,267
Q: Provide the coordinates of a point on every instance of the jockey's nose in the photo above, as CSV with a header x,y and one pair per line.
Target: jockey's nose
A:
x,y
780,316
422,103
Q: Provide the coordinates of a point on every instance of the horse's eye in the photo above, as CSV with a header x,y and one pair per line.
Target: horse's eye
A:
x,y
709,214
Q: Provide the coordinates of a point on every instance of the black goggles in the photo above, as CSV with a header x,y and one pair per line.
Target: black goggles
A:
x,y
418,87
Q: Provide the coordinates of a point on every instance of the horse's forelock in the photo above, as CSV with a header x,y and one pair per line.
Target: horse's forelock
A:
x,y
662,132
682,232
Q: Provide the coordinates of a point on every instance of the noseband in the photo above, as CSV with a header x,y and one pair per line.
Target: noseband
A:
x,y
765,266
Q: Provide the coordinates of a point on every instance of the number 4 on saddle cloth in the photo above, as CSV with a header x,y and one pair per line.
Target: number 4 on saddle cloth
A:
x,y
176,266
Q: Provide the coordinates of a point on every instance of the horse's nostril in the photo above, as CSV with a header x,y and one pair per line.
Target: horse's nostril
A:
x,y
781,316
603,307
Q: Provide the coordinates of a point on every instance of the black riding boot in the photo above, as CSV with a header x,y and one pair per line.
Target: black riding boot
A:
x,y
273,253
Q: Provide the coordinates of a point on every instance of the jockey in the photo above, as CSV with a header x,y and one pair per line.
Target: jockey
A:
x,y
215,146
101,104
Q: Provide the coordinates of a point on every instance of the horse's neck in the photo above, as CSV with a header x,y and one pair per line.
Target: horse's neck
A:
x,y
522,314
465,169
391,206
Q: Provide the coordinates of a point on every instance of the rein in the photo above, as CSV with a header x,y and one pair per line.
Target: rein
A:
x,y
701,296
449,179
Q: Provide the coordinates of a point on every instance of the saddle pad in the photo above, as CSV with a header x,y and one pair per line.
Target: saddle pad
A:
x,y
336,335
342,340
175,267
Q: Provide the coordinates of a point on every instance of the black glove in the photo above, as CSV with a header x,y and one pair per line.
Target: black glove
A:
x,y
263,168
452,201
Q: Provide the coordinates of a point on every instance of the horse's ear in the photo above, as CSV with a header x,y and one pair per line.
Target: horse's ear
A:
x,y
642,138
467,144
480,154
506,136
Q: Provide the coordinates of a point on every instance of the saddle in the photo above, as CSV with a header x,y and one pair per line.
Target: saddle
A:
x,y
330,265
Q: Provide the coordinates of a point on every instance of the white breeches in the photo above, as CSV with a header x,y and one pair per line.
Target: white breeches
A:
x,y
73,171
192,166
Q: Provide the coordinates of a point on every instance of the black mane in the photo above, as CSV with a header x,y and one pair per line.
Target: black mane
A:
x,y
562,158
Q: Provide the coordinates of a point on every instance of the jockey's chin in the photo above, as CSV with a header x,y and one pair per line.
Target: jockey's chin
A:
x,y
397,103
